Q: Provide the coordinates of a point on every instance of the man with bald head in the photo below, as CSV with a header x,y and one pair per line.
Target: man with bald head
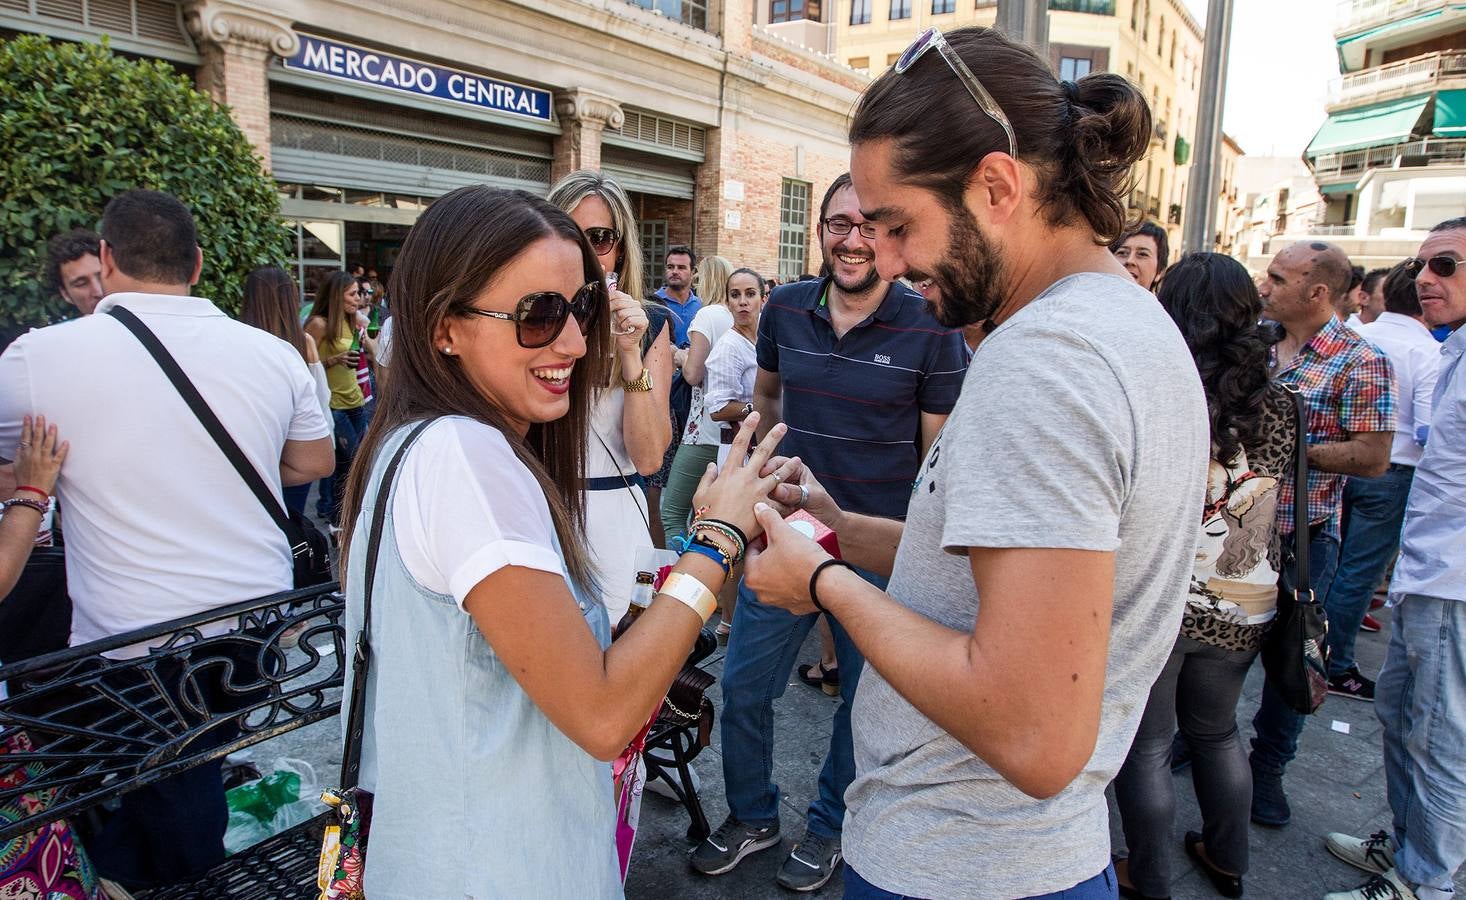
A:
x,y
1349,389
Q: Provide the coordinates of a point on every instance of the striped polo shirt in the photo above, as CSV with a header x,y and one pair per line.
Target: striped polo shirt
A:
x,y
853,404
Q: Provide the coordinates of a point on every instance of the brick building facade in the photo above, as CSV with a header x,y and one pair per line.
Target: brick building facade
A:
x,y
364,111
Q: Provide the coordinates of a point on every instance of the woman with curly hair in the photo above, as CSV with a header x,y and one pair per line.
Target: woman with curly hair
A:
x,y
1233,594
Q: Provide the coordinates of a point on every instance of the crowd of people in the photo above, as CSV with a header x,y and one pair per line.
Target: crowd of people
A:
x,y
1058,465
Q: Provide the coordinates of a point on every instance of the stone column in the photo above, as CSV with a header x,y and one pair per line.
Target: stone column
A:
x,y
584,116
237,44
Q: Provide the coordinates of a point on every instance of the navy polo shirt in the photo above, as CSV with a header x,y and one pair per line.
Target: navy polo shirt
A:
x,y
853,404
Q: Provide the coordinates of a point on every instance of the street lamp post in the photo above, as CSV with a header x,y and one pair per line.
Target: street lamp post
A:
x,y
1201,207
1026,21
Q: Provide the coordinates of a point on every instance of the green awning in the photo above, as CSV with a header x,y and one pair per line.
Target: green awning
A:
x,y
1369,126
1346,187
1450,114
1395,25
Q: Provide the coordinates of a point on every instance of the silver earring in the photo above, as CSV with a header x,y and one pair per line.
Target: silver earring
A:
x,y
448,351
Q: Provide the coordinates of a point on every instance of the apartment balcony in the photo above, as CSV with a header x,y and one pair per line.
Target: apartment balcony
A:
x,y
1094,7
688,12
1418,75
1357,15
1405,154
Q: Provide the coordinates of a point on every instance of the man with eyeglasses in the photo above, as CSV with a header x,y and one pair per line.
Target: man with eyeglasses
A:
x,y
1348,386
864,377
1421,696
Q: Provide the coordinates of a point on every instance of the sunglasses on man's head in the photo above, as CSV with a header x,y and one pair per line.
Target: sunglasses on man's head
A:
x,y
540,317
1444,266
932,37
602,240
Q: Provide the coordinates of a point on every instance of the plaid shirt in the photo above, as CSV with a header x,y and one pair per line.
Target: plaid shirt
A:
x,y
1349,387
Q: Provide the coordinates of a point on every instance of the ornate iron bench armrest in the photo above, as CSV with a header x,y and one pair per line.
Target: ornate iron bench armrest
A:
x,y
80,728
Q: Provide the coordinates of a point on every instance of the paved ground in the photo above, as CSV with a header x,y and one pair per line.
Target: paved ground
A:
x,y
1337,783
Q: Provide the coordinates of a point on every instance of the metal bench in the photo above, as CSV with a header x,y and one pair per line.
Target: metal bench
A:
x,y
101,727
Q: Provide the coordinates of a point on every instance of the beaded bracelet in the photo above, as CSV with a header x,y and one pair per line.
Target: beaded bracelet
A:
x,y
740,543
717,539
713,553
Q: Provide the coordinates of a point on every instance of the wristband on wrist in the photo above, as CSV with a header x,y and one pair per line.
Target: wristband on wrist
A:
x,y
712,552
728,528
703,530
692,593
27,502
45,495
814,577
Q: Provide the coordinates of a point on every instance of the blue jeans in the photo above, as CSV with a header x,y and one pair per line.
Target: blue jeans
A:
x,y
1421,702
1374,510
351,426
762,650
295,497
1276,726
1101,887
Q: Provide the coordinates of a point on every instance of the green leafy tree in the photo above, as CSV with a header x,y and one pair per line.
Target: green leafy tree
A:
x,y
80,124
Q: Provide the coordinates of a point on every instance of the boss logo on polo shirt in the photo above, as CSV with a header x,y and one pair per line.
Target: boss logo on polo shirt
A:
x,y
883,359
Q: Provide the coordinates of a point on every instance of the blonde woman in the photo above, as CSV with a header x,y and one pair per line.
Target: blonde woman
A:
x,y
699,439
629,423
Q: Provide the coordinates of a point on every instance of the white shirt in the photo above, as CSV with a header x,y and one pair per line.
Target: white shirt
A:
x,y
384,343
732,367
158,523
1416,358
712,322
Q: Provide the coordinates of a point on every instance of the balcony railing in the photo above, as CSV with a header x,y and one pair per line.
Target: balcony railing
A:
x,y
1409,76
1096,7
688,12
1354,15
1428,152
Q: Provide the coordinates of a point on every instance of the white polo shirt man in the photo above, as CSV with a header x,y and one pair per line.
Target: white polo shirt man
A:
x,y
1416,356
158,523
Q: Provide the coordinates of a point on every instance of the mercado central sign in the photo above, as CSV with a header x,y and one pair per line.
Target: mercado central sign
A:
x,y
357,64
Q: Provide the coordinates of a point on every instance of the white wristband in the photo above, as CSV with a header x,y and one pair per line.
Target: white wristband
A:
x,y
693,593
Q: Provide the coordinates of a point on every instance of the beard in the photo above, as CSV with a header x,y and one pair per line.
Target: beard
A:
x,y
863,286
970,277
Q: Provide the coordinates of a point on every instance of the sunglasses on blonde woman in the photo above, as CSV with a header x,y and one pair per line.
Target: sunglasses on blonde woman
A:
x,y
540,317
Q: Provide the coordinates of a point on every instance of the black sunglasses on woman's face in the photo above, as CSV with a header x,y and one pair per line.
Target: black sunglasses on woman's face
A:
x,y
540,317
1444,266
603,240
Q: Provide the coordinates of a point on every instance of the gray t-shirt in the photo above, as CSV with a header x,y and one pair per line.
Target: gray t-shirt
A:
x,y
1081,425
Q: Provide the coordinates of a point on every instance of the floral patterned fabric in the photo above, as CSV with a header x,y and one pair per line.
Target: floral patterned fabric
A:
x,y
47,864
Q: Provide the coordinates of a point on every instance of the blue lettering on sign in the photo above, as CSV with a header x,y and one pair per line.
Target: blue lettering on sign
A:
x,y
322,57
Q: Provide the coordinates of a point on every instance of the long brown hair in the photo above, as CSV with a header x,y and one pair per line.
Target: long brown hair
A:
x,y
331,303
271,303
455,250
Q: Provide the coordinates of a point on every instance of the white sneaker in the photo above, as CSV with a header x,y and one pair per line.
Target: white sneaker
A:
x,y
661,788
1386,886
1375,853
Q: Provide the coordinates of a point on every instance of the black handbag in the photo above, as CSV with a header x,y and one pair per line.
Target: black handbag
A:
x,y
1295,653
35,618
311,556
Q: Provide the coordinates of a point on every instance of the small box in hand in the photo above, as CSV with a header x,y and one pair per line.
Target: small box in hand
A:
x,y
812,528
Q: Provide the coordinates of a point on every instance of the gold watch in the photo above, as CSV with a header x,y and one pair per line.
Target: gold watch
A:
x,y
641,384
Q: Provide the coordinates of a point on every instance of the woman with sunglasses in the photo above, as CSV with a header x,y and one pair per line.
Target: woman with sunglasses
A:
x,y
630,426
495,697
332,325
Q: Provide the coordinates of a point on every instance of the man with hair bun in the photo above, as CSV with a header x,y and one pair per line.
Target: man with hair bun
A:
x,y
1037,585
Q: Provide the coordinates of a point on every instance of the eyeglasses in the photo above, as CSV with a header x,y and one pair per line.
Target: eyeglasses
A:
x,y
842,225
602,240
540,317
932,37
1444,266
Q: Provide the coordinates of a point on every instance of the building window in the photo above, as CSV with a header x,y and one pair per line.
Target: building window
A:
x,y
688,12
1173,51
1094,7
900,9
653,250
941,7
860,63
794,10
793,229
1071,69
860,12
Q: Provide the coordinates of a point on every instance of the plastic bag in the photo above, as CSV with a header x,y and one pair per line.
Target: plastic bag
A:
x,y
265,807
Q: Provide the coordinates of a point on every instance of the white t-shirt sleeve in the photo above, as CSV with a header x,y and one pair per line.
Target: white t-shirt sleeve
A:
x,y
464,507
15,397
1066,485
307,421
384,344
711,322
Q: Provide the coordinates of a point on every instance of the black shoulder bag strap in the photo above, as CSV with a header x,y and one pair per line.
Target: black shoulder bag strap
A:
x,y
213,426
1302,587
361,662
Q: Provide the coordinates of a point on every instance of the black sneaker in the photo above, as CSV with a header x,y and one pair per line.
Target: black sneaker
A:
x,y
1353,685
1269,802
725,848
811,864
